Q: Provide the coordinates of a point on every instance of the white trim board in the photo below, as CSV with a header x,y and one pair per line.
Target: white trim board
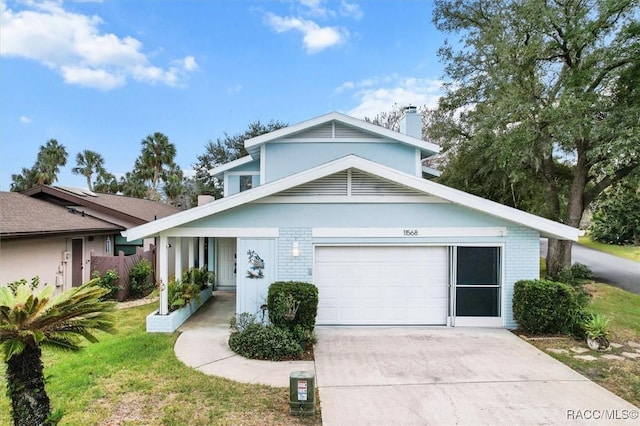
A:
x,y
223,232
409,232
369,199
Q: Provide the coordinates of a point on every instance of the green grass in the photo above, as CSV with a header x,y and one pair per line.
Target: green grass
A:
x,y
622,307
620,377
627,252
134,378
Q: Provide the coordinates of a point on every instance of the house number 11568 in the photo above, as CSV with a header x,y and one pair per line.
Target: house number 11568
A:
x,y
410,232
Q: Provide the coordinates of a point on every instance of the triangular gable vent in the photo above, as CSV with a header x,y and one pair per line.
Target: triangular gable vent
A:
x,y
348,183
334,130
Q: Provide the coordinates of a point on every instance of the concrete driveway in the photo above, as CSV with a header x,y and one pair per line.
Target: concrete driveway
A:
x,y
418,376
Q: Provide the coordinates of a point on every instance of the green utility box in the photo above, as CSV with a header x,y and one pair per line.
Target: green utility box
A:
x,y
302,394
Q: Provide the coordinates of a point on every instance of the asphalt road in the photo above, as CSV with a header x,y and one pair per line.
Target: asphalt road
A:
x,y
606,268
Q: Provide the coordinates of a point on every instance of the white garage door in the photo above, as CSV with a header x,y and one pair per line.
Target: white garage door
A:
x,y
381,285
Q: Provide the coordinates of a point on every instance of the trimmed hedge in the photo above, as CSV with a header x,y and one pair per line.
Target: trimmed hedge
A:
x,y
259,341
285,296
547,307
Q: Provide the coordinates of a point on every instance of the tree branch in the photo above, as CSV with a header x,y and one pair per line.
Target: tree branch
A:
x,y
606,181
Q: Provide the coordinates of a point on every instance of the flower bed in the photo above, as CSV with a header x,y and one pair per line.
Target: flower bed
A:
x,y
169,323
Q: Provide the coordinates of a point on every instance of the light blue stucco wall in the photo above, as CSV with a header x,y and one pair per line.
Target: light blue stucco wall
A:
x,y
253,166
284,159
296,221
349,215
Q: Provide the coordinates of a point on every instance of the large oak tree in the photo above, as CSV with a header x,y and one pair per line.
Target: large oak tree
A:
x,y
543,95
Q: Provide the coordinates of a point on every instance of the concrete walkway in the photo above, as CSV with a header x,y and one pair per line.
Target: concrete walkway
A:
x,y
203,345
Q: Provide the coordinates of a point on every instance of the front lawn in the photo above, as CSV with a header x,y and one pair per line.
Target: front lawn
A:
x,y
621,377
134,378
628,252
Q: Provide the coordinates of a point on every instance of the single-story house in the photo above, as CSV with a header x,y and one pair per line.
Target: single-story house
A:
x,y
345,204
52,232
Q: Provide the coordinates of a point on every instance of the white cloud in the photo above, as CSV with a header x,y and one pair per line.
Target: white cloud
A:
x,y
73,45
316,38
25,120
315,8
379,94
189,63
235,89
351,10
94,78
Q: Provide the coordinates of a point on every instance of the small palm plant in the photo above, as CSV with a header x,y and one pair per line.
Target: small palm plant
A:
x,y
597,331
30,321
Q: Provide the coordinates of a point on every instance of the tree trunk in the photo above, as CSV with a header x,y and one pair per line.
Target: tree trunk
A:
x,y
25,386
559,251
558,256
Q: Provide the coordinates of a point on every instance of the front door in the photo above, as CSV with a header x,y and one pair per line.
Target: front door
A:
x,y
226,264
76,262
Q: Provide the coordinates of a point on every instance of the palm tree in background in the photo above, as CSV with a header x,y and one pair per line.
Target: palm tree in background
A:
x,y
156,159
173,185
88,162
106,183
133,185
52,155
30,321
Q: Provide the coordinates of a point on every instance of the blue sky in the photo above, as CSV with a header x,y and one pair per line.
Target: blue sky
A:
x,y
102,75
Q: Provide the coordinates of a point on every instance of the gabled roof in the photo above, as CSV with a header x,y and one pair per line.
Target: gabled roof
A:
x,y
546,227
128,211
216,171
24,216
253,145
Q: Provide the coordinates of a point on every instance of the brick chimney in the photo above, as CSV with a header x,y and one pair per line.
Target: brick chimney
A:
x,y
411,122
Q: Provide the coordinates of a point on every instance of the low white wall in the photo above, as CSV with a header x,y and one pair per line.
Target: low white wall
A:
x,y
170,323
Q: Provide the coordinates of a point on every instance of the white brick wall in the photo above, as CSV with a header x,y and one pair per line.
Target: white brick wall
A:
x,y
522,261
292,268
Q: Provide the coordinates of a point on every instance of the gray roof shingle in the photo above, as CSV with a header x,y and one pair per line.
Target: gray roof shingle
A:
x,y
21,215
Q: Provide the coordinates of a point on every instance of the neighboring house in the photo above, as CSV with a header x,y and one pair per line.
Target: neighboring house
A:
x,y
344,204
52,232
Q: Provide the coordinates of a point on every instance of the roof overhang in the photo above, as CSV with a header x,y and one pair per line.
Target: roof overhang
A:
x,y
546,227
219,170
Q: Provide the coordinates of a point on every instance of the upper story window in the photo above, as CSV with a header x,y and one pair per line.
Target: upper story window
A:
x,y
240,181
246,182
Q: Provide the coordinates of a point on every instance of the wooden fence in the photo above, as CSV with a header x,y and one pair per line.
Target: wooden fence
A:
x,y
122,265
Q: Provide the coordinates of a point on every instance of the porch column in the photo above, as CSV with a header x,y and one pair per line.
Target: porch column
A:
x,y
211,266
178,255
163,265
192,259
201,252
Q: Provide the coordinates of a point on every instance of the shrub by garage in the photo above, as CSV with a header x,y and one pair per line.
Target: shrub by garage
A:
x,y
293,305
548,307
255,340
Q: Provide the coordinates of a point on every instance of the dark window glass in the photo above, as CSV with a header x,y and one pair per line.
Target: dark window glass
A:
x,y
478,301
478,266
246,182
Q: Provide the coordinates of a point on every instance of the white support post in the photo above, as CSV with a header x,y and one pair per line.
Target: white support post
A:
x,y
178,254
201,241
163,265
211,253
192,259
